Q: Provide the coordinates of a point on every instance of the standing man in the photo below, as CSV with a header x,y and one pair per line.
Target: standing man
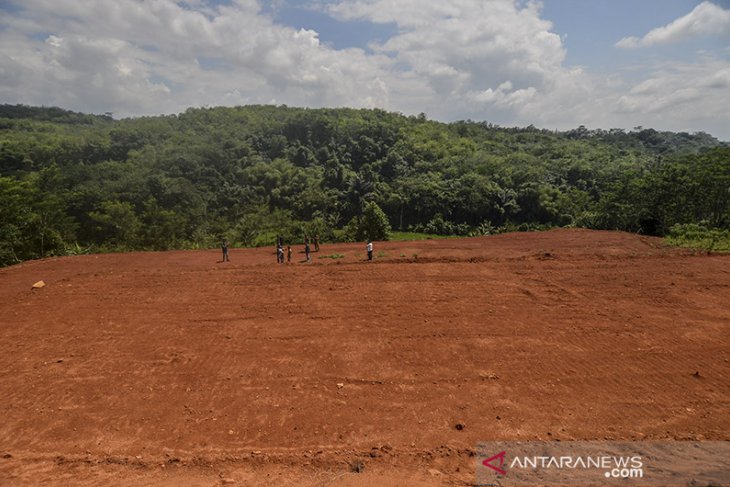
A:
x,y
279,249
288,254
316,243
224,248
306,249
369,248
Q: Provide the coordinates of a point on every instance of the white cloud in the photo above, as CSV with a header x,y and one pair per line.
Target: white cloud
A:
x,y
465,46
707,19
681,93
136,58
495,60
162,55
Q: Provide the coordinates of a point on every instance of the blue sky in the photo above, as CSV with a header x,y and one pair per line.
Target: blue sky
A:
x,y
591,28
588,25
339,34
555,64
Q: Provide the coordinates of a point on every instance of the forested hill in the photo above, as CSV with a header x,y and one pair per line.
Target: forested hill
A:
x,y
70,182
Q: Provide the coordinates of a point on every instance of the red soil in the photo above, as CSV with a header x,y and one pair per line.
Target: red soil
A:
x,y
176,369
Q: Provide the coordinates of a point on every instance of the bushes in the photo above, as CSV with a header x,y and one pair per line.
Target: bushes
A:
x,y
440,226
699,236
372,225
483,229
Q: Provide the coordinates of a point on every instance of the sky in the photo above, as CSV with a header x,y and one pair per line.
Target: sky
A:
x,y
555,64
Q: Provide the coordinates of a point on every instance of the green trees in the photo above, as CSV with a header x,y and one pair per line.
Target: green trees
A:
x,y
69,179
15,221
373,225
33,219
712,190
117,224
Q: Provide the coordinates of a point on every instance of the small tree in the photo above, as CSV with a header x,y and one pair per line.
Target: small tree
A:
x,y
374,225
117,224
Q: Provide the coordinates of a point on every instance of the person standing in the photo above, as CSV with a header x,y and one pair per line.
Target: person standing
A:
x,y
280,254
306,249
224,248
369,248
288,254
316,243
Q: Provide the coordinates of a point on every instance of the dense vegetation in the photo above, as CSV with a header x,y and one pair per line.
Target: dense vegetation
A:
x,y
72,182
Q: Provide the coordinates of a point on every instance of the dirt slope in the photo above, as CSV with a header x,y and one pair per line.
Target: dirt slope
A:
x,y
175,369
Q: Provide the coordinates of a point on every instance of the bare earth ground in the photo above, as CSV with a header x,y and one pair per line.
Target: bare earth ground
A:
x,y
175,369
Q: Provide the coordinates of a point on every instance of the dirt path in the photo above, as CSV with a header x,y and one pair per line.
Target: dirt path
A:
x,y
174,369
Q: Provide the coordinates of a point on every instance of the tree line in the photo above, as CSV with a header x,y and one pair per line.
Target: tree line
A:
x,y
73,182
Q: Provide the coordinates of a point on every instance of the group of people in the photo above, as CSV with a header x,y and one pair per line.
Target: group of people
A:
x,y
307,249
285,256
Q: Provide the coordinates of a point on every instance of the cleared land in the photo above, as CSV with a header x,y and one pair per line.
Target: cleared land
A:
x,y
175,369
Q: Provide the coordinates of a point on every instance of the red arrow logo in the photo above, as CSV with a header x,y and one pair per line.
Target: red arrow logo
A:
x,y
500,457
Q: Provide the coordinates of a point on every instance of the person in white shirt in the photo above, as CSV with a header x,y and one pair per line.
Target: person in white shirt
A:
x,y
369,248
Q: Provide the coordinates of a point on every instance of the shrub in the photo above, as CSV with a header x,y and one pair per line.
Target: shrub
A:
x,y
372,225
699,236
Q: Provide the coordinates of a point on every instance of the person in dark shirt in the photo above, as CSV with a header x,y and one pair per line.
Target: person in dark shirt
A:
x,y
224,248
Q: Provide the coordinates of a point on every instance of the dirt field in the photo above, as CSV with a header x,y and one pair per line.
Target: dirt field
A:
x,y
176,369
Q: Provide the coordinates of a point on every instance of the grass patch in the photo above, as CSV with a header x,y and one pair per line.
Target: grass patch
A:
x,y
404,236
265,239
699,236
332,256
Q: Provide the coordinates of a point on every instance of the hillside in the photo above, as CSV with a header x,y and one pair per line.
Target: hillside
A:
x,y
72,183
